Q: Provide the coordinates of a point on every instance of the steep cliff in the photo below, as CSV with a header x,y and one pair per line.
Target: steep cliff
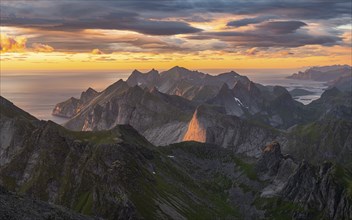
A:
x,y
306,191
319,193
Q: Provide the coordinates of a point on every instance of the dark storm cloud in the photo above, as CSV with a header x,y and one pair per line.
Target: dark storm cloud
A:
x,y
271,34
281,27
120,20
295,9
37,13
276,23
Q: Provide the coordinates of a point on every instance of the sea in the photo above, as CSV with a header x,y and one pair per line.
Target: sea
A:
x,y
37,92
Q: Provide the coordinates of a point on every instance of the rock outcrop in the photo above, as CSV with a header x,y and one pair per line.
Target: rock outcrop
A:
x,y
315,190
149,79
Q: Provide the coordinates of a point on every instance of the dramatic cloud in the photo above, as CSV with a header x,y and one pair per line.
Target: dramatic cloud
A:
x,y
259,39
152,16
106,40
271,34
119,20
282,27
38,47
12,44
19,44
175,26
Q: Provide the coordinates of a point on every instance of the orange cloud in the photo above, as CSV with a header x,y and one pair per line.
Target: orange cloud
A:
x,y
252,51
38,47
97,52
12,44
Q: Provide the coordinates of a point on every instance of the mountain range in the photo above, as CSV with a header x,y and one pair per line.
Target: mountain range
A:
x,y
235,106
180,144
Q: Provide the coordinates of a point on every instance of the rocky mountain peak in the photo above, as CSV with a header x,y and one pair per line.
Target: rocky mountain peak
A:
x,y
90,90
147,79
178,68
153,72
88,95
73,99
136,72
119,84
179,73
229,74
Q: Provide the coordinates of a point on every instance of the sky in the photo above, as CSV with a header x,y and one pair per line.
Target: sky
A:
x,y
197,34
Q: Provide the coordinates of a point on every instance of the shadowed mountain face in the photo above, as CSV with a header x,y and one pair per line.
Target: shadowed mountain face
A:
x,y
118,174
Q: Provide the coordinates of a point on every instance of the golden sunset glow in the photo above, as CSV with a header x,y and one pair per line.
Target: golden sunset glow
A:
x,y
210,40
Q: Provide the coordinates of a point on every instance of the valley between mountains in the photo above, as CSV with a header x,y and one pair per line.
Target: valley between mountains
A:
x,y
183,144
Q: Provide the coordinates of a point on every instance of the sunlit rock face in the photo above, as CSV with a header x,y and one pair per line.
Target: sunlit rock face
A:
x,y
196,131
